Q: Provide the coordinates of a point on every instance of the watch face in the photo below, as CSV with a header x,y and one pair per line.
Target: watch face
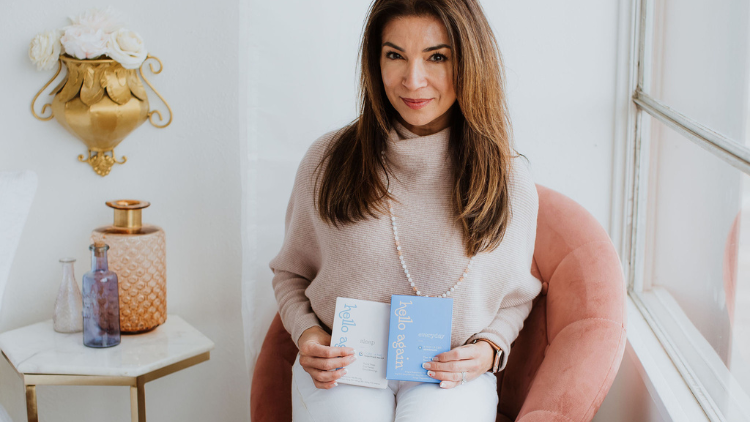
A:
x,y
498,360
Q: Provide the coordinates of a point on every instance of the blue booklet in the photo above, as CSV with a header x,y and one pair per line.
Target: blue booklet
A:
x,y
420,329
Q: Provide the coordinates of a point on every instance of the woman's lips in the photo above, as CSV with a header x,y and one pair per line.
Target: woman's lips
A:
x,y
416,104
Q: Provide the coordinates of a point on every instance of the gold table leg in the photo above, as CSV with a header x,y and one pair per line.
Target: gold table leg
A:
x,y
137,385
138,401
31,403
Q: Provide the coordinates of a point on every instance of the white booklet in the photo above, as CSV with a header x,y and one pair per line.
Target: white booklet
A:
x,y
363,325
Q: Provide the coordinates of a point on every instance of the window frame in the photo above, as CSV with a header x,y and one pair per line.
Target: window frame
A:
x,y
632,189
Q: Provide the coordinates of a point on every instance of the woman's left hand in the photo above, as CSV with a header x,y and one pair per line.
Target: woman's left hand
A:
x,y
475,359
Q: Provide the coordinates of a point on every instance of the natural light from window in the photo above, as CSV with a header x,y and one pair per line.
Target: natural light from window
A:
x,y
696,245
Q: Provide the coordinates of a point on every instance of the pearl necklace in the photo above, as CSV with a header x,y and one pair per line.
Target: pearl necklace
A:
x,y
403,263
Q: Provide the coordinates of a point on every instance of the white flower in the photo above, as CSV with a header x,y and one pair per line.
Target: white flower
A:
x,y
104,19
127,48
84,43
45,50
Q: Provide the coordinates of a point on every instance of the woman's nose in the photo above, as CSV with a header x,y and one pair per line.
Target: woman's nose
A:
x,y
415,77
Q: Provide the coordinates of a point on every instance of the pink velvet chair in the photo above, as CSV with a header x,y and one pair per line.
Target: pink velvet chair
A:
x,y
565,359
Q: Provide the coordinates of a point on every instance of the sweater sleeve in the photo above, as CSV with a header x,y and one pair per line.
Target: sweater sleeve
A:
x,y
516,306
299,260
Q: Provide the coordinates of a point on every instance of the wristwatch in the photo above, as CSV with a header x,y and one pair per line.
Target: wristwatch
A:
x,y
498,354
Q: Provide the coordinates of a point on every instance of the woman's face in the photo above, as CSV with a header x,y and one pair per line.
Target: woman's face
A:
x,y
416,64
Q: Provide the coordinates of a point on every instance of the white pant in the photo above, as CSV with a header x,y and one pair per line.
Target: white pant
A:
x,y
402,401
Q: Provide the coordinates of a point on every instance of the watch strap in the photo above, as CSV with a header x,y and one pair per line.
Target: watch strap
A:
x,y
497,361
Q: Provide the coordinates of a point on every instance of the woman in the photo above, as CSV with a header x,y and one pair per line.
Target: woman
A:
x,y
414,197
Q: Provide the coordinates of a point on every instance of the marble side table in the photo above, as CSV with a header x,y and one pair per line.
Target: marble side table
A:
x,y
42,356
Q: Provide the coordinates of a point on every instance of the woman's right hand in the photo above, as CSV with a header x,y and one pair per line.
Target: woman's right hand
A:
x,y
319,360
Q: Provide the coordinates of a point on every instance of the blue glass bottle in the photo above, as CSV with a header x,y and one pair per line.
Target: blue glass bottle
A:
x,y
101,302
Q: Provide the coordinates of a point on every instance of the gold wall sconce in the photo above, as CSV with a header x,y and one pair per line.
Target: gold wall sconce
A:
x,y
100,102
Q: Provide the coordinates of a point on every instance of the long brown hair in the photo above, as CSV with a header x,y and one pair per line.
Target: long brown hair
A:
x,y
350,188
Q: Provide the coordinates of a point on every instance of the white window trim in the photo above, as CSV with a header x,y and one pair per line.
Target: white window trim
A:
x,y
672,396
678,394
684,338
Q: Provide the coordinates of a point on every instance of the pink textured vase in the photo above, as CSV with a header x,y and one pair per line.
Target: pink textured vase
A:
x,y
138,256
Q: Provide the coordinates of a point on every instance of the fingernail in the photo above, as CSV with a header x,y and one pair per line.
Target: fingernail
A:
x,y
426,365
430,373
335,384
343,371
435,359
442,384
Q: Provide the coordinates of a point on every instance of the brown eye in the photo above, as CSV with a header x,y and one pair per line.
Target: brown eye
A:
x,y
392,55
437,57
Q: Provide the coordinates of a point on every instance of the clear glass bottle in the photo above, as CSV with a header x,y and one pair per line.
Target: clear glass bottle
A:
x,y
138,255
69,305
101,303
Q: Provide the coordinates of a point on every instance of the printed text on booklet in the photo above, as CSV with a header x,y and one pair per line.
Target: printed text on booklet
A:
x,y
420,329
392,342
363,325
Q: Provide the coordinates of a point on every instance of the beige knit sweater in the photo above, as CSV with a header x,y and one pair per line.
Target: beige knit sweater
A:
x,y
319,262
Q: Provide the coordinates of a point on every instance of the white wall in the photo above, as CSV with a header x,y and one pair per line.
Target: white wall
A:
x,y
560,59
189,171
219,178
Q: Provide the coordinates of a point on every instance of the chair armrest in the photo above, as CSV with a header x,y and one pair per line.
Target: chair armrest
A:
x,y
576,374
586,330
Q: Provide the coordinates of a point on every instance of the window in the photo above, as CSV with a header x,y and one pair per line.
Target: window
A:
x,y
687,235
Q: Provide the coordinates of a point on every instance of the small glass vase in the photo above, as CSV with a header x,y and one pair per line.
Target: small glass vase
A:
x,y
101,302
69,305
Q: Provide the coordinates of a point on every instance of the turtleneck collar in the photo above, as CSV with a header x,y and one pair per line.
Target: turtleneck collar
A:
x,y
417,158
